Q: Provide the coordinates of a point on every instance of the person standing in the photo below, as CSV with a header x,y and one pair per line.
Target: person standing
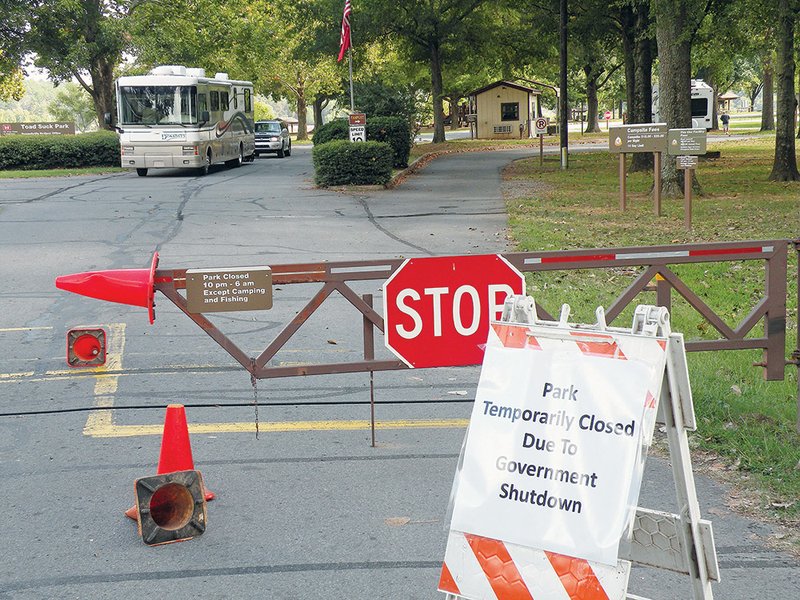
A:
x,y
725,118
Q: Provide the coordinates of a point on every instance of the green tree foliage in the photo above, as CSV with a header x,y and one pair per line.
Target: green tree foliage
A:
x,y
72,103
435,33
72,39
275,45
11,85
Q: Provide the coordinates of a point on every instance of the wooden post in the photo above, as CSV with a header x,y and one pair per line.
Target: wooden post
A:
x,y
657,183
687,198
541,149
622,190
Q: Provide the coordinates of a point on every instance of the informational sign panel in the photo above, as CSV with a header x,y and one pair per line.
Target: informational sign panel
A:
x,y
687,141
220,290
48,128
553,457
437,310
686,162
357,119
358,133
540,126
648,137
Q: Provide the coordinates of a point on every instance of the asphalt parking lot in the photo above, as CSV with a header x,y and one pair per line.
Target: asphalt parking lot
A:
x,y
307,508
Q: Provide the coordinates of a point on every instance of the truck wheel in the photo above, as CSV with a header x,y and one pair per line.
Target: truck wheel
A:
x,y
141,172
281,152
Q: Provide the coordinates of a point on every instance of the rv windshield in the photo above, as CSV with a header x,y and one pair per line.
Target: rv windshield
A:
x,y
158,105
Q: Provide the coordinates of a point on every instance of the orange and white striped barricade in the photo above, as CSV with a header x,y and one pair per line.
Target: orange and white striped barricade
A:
x,y
480,568
552,463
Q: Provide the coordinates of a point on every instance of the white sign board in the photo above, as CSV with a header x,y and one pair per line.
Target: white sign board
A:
x,y
358,133
553,456
540,126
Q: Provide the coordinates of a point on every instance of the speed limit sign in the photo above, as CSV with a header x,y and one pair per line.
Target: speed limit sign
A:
x,y
540,126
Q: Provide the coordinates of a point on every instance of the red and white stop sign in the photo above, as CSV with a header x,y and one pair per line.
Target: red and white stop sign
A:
x,y
437,310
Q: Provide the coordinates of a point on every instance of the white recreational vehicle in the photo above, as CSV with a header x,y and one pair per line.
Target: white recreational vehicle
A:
x,y
702,105
176,117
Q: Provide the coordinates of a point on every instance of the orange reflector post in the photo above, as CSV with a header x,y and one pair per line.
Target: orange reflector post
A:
x,y
86,347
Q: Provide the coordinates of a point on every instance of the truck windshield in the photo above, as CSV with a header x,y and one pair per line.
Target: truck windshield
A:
x,y
268,127
158,105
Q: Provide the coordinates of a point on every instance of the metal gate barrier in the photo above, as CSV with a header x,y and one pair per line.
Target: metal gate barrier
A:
x,y
657,261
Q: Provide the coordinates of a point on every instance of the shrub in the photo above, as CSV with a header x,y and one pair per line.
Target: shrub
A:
x,y
338,129
342,162
395,131
98,149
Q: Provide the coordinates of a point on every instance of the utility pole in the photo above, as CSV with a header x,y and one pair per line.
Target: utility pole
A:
x,y
563,104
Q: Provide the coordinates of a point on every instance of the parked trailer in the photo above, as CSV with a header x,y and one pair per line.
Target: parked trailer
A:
x,y
702,96
176,117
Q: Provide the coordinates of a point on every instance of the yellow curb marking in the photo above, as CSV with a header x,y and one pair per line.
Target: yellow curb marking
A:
x,y
110,430
105,385
100,423
10,376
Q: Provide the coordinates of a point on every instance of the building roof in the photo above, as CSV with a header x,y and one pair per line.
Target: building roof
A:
x,y
511,84
728,96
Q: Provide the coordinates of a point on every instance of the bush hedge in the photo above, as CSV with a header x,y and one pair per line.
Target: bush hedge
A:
x,y
342,162
338,129
395,131
30,152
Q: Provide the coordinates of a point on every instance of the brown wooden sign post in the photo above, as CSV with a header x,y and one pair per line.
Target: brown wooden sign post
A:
x,y
646,137
686,145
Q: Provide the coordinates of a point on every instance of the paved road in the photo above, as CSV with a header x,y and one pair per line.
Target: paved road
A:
x,y
309,509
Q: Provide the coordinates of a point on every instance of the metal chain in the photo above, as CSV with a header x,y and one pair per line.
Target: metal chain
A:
x,y
254,383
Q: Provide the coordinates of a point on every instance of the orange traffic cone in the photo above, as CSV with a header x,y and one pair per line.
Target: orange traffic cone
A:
x,y
176,451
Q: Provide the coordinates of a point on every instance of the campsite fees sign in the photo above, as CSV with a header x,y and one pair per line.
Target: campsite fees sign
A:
x,y
649,137
553,457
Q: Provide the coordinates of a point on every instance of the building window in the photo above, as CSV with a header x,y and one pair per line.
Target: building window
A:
x,y
509,111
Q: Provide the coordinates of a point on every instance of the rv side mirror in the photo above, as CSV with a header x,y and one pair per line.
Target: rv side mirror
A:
x,y
107,118
205,117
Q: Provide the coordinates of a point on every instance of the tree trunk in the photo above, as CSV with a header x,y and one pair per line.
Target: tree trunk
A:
x,y
302,110
628,23
675,82
320,102
767,100
784,167
102,92
436,92
714,103
592,124
642,108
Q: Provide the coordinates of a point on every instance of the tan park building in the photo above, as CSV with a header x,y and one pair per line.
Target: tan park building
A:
x,y
503,110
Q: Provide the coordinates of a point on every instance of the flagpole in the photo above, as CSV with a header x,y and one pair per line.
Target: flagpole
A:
x,y
350,57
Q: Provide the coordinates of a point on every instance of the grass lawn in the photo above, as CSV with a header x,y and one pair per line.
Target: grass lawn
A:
x,y
29,174
747,422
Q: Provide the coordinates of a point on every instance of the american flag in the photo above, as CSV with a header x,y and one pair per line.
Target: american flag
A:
x,y
345,43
